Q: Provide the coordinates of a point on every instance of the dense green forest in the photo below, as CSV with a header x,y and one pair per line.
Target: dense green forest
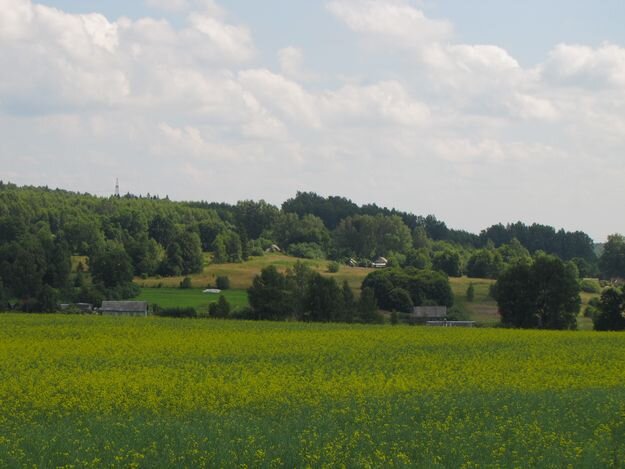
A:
x,y
120,238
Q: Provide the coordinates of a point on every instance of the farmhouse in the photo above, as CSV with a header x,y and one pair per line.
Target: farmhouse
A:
x,y
124,308
380,263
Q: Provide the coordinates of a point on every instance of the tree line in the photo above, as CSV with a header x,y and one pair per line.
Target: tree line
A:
x,y
118,238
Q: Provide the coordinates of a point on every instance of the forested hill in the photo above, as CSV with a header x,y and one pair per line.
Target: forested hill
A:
x,y
41,228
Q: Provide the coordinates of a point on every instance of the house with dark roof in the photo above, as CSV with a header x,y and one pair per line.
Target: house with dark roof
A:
x,y
124,308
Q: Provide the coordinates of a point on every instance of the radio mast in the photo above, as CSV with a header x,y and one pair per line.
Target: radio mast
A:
x,y
117,187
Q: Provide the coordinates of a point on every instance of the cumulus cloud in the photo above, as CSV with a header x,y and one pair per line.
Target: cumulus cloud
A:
x,y
291,61
181,6
586,66
53,59
395,21
191,101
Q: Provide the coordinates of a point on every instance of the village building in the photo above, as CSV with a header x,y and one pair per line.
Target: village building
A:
x,y
124,308
76,307
380,263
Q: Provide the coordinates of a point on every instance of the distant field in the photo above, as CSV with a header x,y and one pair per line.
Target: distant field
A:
x,y
483,309
194,298
90,391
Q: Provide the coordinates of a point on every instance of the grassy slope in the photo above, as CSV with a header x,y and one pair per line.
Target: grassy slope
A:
x,y
241,275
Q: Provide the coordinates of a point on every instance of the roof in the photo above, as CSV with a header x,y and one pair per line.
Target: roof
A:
x,y
124,306
430,311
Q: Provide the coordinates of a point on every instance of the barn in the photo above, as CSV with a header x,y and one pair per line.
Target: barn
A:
x,y
124,308
423,314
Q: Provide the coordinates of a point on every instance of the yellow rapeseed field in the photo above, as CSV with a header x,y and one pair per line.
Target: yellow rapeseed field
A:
x,y
78,391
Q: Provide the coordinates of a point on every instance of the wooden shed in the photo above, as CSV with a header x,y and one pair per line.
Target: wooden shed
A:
x,y
124,308
423,314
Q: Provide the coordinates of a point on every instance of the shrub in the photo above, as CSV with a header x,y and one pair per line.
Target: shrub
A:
x,y
223,282
245,313
334,267
394,318
470,293
221,309
590,285
456,314
306,250
177,312
186,283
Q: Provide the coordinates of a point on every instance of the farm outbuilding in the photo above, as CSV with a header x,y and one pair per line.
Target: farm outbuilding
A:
x,y
380,263
423,314
124,308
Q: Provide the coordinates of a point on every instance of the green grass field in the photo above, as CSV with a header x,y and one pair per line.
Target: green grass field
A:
x,y
90,391
194,298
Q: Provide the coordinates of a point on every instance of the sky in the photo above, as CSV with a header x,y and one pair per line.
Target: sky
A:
x,y
484,112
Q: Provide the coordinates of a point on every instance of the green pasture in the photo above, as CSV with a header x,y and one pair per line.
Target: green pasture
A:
x,y
192,297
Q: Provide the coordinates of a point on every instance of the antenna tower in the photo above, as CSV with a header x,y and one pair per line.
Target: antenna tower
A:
x,y
117,187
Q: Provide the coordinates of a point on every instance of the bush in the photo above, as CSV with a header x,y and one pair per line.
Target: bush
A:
x,y
590,285
176,312
334,267
456,314
223,282
245,313
470,293
221,309
306,251
394,318
186,283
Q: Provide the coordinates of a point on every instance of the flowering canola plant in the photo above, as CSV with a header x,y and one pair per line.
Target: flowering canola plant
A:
x,y
80,391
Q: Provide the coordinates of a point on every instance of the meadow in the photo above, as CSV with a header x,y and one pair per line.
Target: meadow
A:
x,y
193,298
89,391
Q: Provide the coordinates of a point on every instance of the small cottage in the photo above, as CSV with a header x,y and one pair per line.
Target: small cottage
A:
x,y
380,263
124,308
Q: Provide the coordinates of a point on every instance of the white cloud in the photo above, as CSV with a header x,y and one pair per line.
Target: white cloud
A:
x,y
189,104
53,59
168,5
396,21
584,66
209,7
231,41
384,103
291,60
